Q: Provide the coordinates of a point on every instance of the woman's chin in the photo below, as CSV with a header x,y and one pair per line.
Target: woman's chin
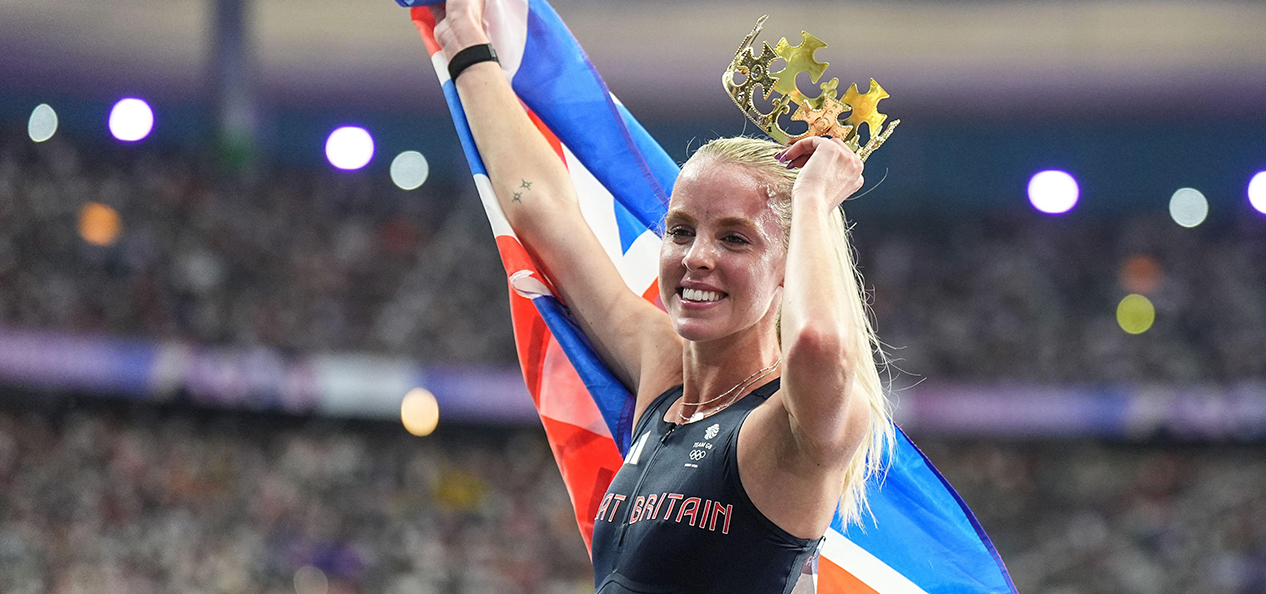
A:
x,y
697,330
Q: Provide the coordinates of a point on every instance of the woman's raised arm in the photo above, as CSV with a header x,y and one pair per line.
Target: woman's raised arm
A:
x,y
536,193
822,334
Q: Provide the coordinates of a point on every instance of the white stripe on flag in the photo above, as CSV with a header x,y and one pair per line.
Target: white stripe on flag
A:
x,y
866,567
640,265
597,205
440,62
497,217
507,27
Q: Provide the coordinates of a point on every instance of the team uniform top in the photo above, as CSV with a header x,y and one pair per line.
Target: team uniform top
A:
x,y
676,518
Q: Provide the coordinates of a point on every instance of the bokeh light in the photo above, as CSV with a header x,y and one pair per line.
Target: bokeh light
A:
x,y
131,119
1188,207
99,224
420,412
42,124
1257,191
1135,314
1140,273
1053,191
409,170
311,580
349,147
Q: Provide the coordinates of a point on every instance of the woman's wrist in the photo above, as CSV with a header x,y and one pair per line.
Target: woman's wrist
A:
x,y
813,200
466,35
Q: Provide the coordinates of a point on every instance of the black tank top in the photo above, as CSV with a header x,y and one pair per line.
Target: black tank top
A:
x,y
676,518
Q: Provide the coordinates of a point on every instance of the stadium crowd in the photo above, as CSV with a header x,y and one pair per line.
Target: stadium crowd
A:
x,y
101,503
314,260
149,501
317,260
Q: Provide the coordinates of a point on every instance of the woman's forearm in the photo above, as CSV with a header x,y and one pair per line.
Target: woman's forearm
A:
x,y
816,289
530,181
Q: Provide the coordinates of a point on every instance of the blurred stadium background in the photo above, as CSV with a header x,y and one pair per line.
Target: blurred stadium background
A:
x,y
208,329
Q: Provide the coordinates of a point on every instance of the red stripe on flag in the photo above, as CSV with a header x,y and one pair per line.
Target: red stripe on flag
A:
x,y
515,258
531,337
425,23
837,580
588,462
652,294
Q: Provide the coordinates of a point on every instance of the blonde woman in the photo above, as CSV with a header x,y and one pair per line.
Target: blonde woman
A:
x,y
759,406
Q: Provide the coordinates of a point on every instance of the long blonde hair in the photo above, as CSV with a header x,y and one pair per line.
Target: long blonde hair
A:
x,y
757,155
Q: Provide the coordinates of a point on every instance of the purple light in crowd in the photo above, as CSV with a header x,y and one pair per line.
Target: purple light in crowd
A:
x,y
131,119
1257,192
349,147
1053,191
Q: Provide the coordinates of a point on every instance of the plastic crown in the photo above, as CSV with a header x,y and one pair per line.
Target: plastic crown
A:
x,y
821,113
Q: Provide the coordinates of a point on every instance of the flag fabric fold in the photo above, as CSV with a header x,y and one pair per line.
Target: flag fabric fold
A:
x,y
921,538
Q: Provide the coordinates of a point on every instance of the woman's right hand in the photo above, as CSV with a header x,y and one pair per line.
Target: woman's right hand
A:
x,y
459,24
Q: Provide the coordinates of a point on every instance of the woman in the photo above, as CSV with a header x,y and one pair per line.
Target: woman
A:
x,y
759,407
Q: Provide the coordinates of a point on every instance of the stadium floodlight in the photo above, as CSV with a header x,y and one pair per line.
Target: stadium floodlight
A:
x,y
131,119
1053,191
409,170
1188,207
1257,192
42,124
349,147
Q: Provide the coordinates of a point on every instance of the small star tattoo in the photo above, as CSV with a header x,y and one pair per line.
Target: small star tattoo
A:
x,y
517,195
526,184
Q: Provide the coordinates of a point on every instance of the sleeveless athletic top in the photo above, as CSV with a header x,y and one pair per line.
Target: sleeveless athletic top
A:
x,y
677,520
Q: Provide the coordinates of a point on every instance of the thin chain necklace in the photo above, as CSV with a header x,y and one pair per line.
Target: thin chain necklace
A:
x,y
737,389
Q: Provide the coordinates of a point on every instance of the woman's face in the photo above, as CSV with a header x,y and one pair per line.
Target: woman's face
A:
x,y
722,261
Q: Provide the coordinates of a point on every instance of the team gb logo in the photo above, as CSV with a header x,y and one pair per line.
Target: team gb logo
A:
x,y
712,431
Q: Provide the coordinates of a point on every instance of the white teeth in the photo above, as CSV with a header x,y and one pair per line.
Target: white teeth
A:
x,y
697,295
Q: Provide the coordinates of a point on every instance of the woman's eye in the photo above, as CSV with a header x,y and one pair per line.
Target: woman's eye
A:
x,y
678,232
735,239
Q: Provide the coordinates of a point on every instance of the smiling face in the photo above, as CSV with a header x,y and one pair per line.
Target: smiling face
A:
x,y
722,262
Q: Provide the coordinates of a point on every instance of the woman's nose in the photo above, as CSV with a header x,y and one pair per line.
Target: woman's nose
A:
x,y
700,256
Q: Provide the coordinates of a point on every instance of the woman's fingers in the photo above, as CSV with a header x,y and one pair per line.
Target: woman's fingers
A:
x,y
437,11
799,151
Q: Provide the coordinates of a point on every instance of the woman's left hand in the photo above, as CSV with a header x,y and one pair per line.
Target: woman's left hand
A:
x,y
829,172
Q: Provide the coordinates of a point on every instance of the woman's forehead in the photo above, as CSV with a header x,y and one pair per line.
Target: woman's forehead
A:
x,y
717,189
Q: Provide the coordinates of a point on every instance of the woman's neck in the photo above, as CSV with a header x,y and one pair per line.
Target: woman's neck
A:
x,y
713,367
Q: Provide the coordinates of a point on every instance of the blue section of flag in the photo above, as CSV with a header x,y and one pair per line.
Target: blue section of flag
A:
x,y
463,128
920,527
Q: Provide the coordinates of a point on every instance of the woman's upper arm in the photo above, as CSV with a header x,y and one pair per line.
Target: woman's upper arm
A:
x,y
633,336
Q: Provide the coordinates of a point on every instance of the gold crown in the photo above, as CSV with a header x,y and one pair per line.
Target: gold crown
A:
x,y
821,113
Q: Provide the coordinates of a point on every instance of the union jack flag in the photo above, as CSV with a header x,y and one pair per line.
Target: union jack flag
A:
x,y
920,536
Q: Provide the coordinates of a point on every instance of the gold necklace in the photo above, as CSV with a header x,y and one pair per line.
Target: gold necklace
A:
x,y
760,373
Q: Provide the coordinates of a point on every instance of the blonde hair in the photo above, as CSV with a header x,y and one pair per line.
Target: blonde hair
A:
x,y
757,155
